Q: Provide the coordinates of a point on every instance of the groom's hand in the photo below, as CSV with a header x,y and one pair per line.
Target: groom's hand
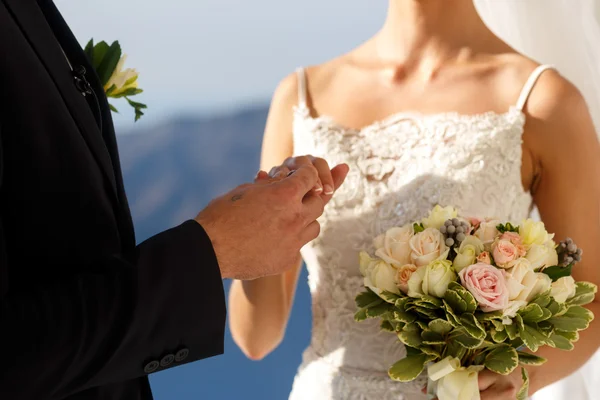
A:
x,y
258,229
329,179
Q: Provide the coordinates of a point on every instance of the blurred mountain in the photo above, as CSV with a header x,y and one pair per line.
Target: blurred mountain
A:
x,y
173,170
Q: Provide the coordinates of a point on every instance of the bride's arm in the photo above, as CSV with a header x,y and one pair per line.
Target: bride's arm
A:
x,y
568,197
259,309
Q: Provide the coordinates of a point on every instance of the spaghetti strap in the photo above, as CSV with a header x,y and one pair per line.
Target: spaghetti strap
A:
x,y
530,84
301,87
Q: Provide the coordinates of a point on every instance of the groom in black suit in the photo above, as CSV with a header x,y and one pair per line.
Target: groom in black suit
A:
x,y
84,312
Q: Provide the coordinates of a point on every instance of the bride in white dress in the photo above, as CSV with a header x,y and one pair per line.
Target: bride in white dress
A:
x,y
434,109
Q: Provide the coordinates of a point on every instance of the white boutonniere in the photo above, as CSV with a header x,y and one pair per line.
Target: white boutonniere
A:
x,y
118,82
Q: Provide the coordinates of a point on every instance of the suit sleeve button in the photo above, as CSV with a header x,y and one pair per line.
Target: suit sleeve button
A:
x,y
181,355
151,367
167,360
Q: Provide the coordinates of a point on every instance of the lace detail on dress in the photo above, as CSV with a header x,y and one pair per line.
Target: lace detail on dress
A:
x,y
399,169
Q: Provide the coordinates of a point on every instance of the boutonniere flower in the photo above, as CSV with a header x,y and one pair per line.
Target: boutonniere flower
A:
x,y
118,82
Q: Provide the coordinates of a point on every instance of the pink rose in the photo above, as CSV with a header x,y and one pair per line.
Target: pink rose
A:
x,y
403,275
516,240
475,222
484,258
486,283
504,252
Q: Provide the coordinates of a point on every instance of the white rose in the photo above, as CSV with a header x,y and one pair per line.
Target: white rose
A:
x,y
535,284
428,246
415,283
395,247
533,233
467,253
438,276
563,289
438,216
515,276
542,255
121,79
487,233
381,276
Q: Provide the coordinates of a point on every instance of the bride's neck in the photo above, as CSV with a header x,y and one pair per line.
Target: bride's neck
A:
x,y
428,31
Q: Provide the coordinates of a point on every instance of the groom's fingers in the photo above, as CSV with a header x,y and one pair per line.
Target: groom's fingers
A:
x,y
310,233
294,163
313,207
301,182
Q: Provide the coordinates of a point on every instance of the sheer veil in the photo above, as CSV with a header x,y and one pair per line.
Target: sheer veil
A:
x,y
563,33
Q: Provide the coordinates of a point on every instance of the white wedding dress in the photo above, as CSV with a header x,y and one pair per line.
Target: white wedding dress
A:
x,y
399,169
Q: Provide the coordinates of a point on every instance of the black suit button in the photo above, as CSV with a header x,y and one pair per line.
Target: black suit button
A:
x,y
151,367
167,360
182,355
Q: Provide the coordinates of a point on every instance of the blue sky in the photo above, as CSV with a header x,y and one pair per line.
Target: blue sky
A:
x,y
202,56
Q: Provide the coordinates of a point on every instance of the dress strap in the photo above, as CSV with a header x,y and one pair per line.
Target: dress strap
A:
x,y
530,84
301,87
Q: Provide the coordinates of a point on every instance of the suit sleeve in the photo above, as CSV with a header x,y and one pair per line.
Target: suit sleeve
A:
x,y
114,322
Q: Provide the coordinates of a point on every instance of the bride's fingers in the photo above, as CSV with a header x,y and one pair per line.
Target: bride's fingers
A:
x,y
261,176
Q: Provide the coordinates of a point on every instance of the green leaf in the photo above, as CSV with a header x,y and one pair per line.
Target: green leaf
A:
x,y
410,338
440,326
556,272
387,326
389,297
128,92
99,52
523,393
361,315
542,300
546,328
533,338
429,302
530,359
109,62
569,324
422,324
409,368
498,325
511,331
571,336
405,317
499,336
483,317
585,294
418,228
412,351
367,299
465,295
460,336
502,360
472,326
579,312
561,342
450,316
378,310
455,350
519,321
403,302
430,350
138,108
432,338
89,51
556,308
533,313
427,313
112,108
455,301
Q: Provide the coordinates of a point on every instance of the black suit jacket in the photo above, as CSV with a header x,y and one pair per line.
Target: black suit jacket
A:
x,y
85,313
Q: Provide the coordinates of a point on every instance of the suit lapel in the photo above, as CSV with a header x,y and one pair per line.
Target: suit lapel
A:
x,y
41,36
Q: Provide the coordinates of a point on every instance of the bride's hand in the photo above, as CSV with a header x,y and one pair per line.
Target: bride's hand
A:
x,y
329,179
494,386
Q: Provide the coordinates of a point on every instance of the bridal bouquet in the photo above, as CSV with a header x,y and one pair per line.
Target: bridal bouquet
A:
x,y
464,295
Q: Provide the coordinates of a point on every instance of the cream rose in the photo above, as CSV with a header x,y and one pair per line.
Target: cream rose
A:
x,y
438,216
438,276
487,233
467,254
504,252
563,289
542,255
486,283
484,257
533,233
394,247
428,246
514,277
415,283
515,239
535,283
380,276
403,275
